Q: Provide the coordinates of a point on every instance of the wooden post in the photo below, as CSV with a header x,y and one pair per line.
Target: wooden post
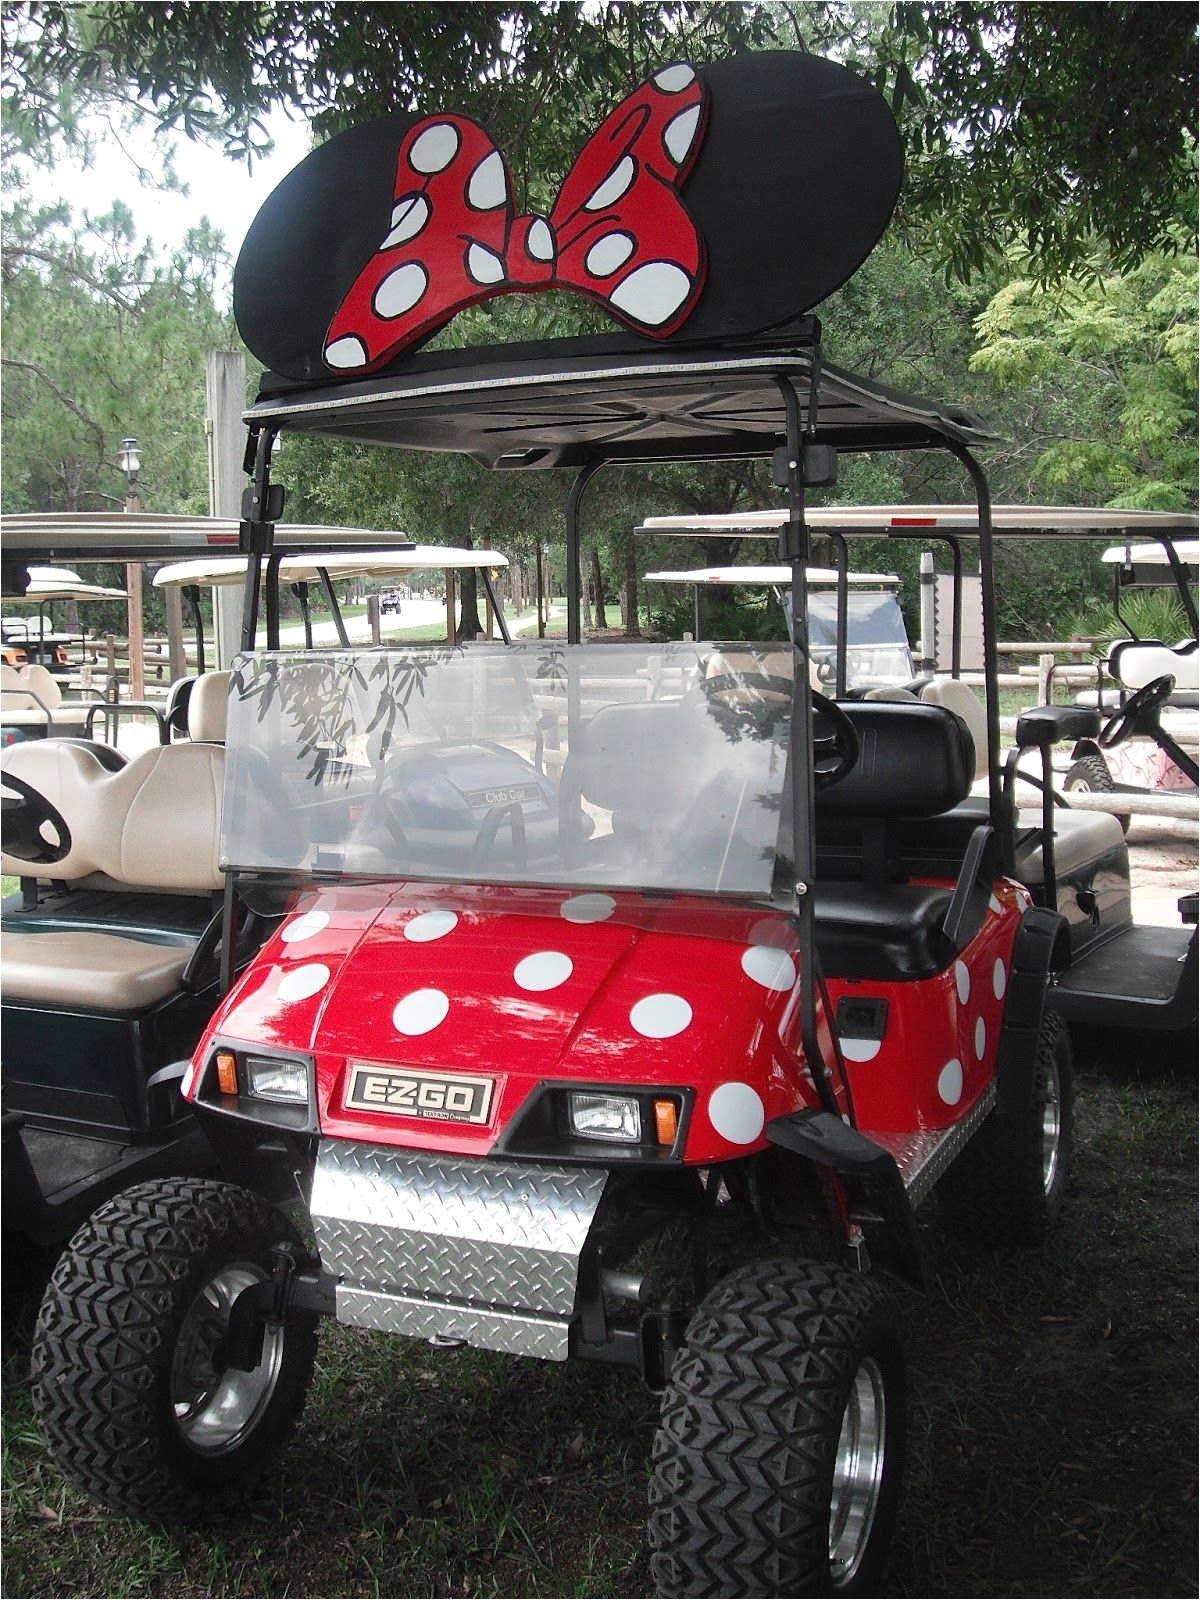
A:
x,y
450,620
137,637
373,618
173,600
1045,686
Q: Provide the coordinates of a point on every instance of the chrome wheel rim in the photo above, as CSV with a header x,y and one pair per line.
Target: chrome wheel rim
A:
x,y
1051,1131
217,1406
857,1472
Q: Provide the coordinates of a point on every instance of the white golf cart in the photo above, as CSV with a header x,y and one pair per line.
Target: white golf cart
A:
x,y
878,653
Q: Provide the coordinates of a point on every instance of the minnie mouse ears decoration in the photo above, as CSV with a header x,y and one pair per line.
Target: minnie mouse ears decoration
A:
x,y
710,205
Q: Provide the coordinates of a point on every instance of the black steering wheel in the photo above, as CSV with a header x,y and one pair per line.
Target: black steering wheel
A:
x,y
22,818
1148,698
835,742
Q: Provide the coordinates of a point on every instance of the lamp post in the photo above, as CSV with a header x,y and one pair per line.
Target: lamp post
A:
x,y
129,461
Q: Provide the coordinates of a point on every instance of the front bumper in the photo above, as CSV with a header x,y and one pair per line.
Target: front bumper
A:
x,y
483,1253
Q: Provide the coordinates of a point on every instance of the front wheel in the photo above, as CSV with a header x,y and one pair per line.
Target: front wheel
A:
x,y
778,1461
136,1398
1007,1186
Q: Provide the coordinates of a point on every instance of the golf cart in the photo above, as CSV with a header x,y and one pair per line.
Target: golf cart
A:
x,y
1071,858
111,945
1150,736
878,654
302,574
32,704
627,1000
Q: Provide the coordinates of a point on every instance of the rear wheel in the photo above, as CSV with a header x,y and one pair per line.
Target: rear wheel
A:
x,y
137,1400
777,1464
1089,772
1007,1187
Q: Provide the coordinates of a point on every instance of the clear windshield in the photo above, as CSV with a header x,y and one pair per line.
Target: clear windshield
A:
x,y
877,649
639,766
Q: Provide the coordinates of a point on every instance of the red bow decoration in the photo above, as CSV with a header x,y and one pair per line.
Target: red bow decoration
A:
x,y
618,231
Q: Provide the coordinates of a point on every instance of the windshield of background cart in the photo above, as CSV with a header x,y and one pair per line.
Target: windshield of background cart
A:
x,y
877,654
617,765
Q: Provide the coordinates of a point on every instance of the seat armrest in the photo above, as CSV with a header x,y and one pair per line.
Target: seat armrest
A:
x,y
1046,725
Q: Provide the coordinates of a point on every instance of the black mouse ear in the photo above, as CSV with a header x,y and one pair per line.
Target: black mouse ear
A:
x,y
798,178
708,206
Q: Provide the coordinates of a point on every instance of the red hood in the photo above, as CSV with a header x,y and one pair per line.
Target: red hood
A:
x,y
528,985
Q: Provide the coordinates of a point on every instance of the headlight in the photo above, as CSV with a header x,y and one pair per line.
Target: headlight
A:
x,y
611,1117
277,1078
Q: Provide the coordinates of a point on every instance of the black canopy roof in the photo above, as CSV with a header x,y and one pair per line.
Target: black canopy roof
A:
x,y
568,403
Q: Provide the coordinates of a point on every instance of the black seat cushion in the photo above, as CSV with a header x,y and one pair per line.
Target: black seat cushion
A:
x,y
914,760
886,934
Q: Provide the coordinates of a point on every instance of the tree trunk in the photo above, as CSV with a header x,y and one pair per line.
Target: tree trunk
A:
x,y
584,595
629,591
598,589
469,624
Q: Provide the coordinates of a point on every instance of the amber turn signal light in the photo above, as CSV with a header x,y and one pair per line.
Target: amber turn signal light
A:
x,y
666,1121
227,1077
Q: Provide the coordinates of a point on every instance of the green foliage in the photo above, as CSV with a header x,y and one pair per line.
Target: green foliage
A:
x,y
103,340
1047,123
1148,613
1105,367
1054,124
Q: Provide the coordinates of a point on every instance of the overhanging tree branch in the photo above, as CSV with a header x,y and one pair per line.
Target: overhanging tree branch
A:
x,y
61,395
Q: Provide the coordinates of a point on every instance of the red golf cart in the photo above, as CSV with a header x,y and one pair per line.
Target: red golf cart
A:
x,y
626,1001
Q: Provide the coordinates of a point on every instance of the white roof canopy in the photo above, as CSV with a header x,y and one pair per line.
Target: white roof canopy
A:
x,y
60,583
1063,521
216,570
771,575
1151,554
149,536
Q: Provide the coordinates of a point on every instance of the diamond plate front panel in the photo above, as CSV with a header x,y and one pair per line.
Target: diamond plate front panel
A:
x,y
507,1331
924,1157
494,1237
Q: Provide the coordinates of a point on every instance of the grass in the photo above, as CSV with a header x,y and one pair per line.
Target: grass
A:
x,y
1052,1427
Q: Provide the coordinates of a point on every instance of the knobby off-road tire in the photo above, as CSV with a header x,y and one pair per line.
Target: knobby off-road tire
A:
x,y
778,1460
1006,1188
130,1386
1090,772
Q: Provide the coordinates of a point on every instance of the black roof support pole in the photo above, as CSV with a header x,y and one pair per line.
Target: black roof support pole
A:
x,y
272,600
838,540
1181,583
300,590
191,593
256,533
335,610
983,501
572,576
795,547
497,609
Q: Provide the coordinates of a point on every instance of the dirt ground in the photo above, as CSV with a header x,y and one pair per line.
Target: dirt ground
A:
x,y
1163,864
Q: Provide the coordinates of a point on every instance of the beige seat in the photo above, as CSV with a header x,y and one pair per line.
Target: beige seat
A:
x,y
956,696
153,825
30,697
207,708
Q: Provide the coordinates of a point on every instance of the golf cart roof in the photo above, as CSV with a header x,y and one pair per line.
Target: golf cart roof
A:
x,y
775,574
60,583
557,407
907,521
218,570
149,536
1151,554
